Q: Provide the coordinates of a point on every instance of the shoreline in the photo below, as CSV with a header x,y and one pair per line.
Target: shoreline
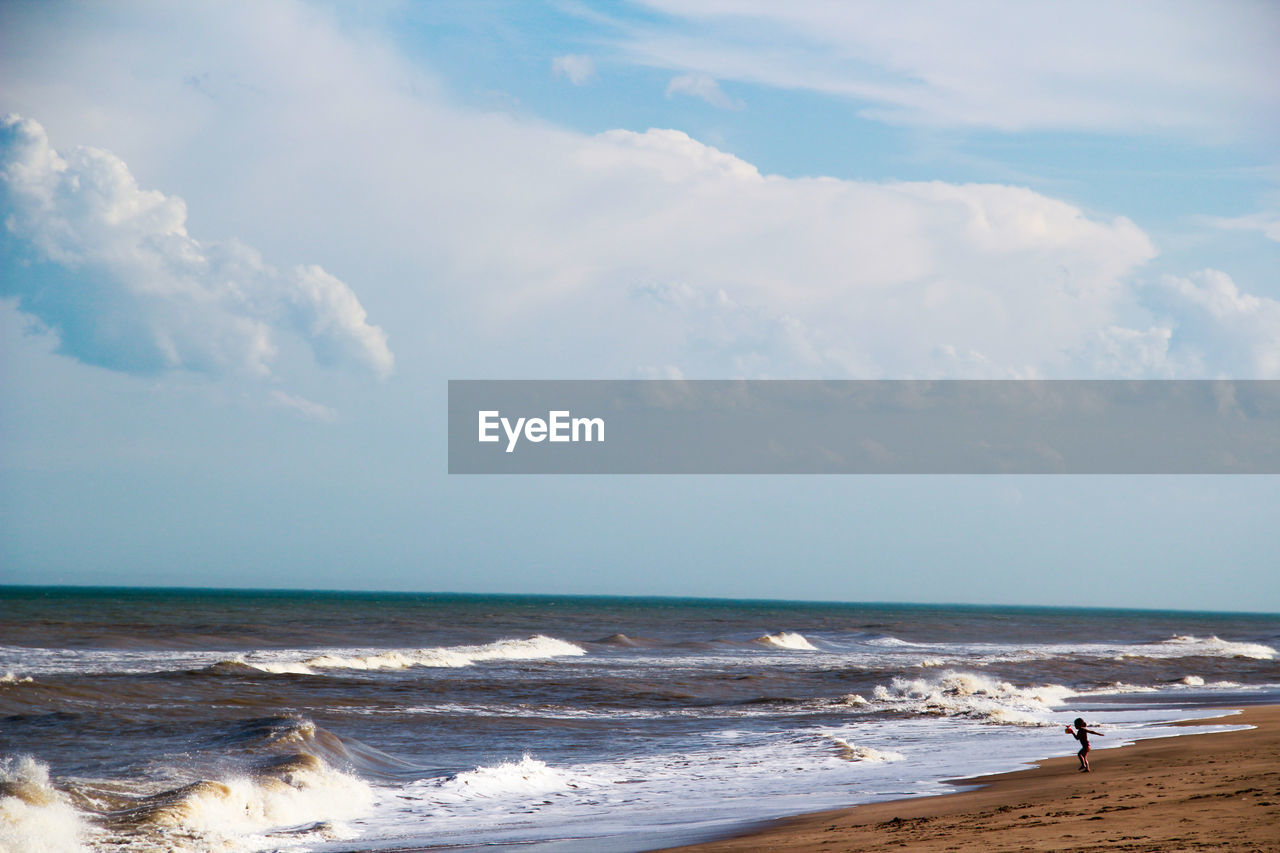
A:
x,y
1215,790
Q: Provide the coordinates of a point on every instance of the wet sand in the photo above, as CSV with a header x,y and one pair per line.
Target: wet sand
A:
x,y
1217,791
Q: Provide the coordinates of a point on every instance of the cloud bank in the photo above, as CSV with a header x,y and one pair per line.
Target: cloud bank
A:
x,y
508,246
133,291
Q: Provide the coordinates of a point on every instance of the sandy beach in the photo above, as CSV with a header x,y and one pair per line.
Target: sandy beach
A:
x,y
1218,791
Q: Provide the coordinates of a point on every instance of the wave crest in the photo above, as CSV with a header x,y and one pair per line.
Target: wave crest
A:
x,y
973,696
35,817
534,648
853,752
1212,646
290,791
526,776
787,640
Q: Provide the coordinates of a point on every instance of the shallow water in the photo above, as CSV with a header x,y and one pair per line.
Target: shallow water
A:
x,y
202,720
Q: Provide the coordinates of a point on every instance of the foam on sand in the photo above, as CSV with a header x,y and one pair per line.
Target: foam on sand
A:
x,y
35,817
787,640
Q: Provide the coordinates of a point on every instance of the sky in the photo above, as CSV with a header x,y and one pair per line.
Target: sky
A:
x,y
245,246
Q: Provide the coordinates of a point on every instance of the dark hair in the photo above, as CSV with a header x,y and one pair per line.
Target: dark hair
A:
x,y
1079,724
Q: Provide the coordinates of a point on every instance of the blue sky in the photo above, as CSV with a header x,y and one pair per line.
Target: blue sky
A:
x,y
247,244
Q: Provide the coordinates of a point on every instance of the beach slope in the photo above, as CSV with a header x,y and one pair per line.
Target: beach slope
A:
x,y
1217,791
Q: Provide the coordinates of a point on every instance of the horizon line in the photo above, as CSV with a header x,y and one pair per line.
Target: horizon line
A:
x,y
5,587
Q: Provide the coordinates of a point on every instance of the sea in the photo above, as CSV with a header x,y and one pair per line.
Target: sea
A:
x,y
213,720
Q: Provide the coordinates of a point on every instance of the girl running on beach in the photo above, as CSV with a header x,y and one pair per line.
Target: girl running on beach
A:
x,y
1082,734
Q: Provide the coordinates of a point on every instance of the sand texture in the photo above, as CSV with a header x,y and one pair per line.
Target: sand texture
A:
x,y
1217,791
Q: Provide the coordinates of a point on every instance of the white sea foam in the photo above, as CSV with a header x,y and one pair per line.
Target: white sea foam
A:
x,y
11,677
303,794
892,642
1184,646
1198,681
787,640
974,696
534,648
1188,646
1116,687
35,817
981,654
741,774
250,804
871,755
275,667
510,778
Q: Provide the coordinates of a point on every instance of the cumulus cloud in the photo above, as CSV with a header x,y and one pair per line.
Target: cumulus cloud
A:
x,y
133,291
703,86
579,69
1221,330
514,247
741,273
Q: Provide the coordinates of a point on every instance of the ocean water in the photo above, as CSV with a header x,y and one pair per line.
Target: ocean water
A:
x,y
153,720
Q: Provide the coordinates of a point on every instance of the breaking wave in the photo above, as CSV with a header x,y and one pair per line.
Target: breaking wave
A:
x,y
972,696
870,755
276,780
891,642
1188,646
536,647
509,778
787,640
292,791
1117,687
983,653
35,817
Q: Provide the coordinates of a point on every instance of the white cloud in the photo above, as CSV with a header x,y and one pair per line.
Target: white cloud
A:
x,y
1206,69
1118,351
137,293
508,247
750,274
577,68
1209,329
1267,224
703,86
1221,330
306,408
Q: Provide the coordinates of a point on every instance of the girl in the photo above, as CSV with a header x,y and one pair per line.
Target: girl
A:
x,y
1082,734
